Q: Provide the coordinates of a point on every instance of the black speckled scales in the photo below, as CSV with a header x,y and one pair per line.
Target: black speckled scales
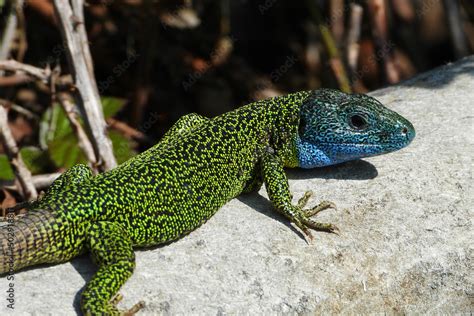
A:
x,y
199,165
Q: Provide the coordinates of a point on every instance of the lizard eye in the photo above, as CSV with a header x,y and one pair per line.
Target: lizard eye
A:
x,y
358,122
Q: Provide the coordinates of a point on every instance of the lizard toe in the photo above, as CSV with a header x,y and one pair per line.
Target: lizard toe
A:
x,y
135,308
304,199
324,205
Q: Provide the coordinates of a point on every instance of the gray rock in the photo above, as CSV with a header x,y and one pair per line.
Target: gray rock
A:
x,y
406,243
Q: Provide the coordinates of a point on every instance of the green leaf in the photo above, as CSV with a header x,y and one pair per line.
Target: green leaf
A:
x,y
54,124
34,158
57,134
111,105
122,147
6,172
65,152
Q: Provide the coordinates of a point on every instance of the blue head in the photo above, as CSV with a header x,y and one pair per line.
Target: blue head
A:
x,y
336,127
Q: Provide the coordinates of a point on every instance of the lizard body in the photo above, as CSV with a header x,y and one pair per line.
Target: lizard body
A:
x,y
199,165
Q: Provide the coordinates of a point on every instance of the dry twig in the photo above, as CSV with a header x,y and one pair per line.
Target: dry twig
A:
x,y
15,80
11,149
127,130
72,28
40,181
17,67
9,31
353,37
71,114
19,109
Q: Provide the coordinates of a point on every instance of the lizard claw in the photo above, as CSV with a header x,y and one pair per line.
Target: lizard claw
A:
x,y
318,208
132,311
135,308
304,199
304,222
325,227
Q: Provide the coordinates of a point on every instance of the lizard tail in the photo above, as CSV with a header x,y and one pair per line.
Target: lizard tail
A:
x,y
23,240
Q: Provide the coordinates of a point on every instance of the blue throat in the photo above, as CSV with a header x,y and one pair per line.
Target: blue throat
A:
x,y
311,155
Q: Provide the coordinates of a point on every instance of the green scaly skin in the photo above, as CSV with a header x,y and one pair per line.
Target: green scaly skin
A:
x,y
168,191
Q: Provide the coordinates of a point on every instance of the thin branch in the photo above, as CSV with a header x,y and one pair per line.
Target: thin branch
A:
x,y
78,9
353,37
73,32
83,141
11,149
15,80
19,109
41,181
22,41
14,66
10,29
127,130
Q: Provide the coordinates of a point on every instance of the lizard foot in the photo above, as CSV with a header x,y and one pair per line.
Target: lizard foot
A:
x,y
323,205
132,311
304,222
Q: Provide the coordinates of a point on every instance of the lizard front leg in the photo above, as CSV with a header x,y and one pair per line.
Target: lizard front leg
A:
x,y
111,249
278,191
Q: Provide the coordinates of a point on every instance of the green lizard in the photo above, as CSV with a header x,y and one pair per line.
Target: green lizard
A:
x,y
199,165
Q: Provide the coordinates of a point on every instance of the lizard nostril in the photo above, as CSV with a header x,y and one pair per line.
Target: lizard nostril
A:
x,y
405,131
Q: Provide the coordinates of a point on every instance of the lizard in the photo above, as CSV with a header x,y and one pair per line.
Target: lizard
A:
x,y
200,164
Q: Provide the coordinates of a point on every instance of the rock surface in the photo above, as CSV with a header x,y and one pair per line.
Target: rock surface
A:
x,y
406,243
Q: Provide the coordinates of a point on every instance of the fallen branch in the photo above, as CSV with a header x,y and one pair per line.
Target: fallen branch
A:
x,y
11,149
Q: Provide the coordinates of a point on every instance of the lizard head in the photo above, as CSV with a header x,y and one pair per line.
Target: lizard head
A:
x,y
335,127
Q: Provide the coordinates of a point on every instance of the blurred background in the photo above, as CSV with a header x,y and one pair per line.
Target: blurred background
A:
x,y
155,61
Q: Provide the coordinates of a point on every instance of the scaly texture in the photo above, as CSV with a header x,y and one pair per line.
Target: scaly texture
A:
x,y
199,165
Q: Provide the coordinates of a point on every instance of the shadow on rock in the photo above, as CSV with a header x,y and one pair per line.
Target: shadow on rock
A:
x,y
264,206
351,170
